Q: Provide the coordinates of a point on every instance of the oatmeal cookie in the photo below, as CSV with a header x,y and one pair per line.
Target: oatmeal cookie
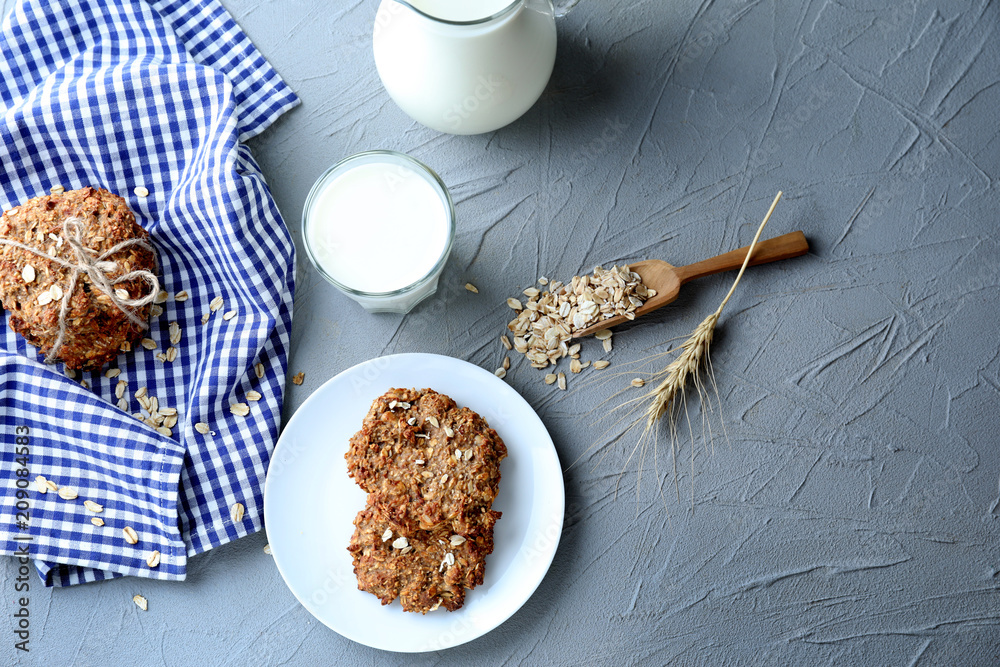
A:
x,y
424,569
439,460
33,287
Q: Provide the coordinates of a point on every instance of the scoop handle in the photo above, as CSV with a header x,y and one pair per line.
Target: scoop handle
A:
x,y
785,246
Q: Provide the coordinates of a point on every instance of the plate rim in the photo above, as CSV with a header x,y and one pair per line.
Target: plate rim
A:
x,y
542,571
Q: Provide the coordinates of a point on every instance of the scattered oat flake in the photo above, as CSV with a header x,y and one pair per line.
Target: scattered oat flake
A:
x,y
67,493
575,366
70,373
202,428
217,303
148,343
259,371
141,192
543,281
561,378
253,395
506,342
123,404
387,535
163,430
141,602
171,354
601,364
57,189
603,334
40,485
638,382
298,378
400,543
161,297
237,512
130,535
28,273
140,392
52,485
469,286
267,548
96,508
153,559
607,344
515,304
229,314
500,373
181,296
113,373
97,521
506,363
239,409
550,378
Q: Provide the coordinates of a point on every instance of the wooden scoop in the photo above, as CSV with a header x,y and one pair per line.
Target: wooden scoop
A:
x,y
667,279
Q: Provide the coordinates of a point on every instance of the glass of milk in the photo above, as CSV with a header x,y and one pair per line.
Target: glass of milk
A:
x,y
379,227
465,66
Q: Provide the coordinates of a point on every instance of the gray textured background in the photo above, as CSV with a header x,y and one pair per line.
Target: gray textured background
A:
x,y
851,516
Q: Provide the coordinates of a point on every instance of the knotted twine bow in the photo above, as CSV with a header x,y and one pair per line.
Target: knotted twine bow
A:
x,y
97,267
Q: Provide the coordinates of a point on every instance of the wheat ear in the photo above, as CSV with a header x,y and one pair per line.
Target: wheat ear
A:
x,y
666,398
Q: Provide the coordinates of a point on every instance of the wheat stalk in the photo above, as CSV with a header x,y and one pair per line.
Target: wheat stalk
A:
x,y
668,396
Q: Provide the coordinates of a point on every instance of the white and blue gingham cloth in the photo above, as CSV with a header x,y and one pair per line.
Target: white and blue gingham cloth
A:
x,y
159,94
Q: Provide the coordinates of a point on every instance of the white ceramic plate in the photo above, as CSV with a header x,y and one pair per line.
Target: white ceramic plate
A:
x,y
310,503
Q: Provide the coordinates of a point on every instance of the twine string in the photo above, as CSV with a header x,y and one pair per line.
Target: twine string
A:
x,y
97,267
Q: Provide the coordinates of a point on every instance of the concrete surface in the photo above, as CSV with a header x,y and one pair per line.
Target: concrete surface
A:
x,y
849,512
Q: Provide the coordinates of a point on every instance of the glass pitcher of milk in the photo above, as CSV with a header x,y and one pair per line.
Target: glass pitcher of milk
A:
x,y
465,66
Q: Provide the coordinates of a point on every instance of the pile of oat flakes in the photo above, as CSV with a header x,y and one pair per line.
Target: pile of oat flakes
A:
x,y
547,322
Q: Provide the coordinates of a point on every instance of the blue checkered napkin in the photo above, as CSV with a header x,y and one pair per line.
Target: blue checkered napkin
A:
x,y
159,95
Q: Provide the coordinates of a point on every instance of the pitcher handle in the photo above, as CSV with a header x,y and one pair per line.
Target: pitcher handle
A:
x,y
563,7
